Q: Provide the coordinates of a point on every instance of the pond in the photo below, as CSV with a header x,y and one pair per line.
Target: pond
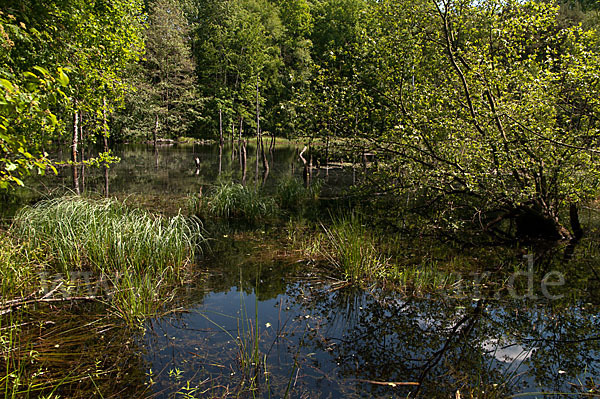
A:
x,y
260,322
316,341
173,171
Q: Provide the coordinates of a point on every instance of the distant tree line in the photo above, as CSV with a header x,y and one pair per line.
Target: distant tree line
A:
x,y
482,112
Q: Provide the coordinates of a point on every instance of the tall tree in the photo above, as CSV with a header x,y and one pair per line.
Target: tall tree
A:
x,y
238,44
167,72
495,110
93,41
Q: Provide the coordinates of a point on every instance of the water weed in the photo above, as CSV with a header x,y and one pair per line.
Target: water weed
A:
x,y
20,264
235,201
351,249
138,252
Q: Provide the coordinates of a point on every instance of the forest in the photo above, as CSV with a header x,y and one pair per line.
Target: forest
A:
x,y
367,157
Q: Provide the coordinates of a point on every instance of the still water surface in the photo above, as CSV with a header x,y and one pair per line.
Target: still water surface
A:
x,y
316,341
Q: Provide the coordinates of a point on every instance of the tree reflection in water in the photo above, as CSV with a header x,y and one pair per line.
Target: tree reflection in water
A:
x,y
487,347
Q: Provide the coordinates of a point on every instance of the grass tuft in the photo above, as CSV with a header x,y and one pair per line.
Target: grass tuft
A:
x,y
138,252
235,201
19,267
351,249
293,196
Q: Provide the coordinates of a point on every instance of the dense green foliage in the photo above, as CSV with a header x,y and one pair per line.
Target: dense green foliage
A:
x,y
60,59
481,113
493,108
26,97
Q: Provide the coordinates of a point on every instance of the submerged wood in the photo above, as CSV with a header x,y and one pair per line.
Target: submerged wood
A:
x,y
220,158
155,131
305,173
265,161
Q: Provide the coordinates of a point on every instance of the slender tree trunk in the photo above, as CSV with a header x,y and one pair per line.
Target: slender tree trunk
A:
x,y
81,142
221,139
155,131
310,163
258,138
364,162
265,162
232,142
105,134
327,157
74,150
167,106
574,219
240,141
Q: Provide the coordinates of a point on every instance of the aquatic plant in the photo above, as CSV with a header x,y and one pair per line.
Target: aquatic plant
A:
x,y
351,249
72,352
293,196
235,201
139,253
19,267
423,278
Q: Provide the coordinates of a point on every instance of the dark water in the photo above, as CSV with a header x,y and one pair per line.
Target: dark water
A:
x,y
314,339
333,343
172,171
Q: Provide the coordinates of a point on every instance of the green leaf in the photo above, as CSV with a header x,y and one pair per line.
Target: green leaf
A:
x,y
11,167
53,119
43,71
63,79
7,85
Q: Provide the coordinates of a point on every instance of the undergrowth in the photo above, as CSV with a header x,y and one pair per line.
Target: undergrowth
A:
x,y
235,201
138,253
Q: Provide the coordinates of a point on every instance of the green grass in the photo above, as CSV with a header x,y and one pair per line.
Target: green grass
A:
x,y
235,201
422,278
19,267
293,196
140,253
351,249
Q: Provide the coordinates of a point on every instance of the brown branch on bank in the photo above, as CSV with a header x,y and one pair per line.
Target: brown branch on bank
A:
x,y
6,307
